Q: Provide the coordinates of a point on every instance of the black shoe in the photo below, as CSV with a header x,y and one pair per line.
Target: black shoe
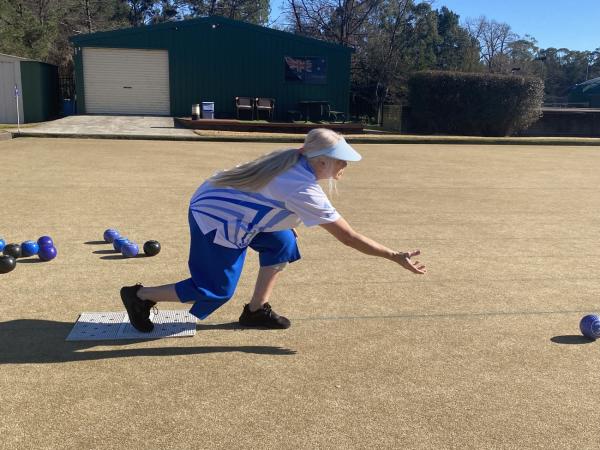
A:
x,y
264,317
138,310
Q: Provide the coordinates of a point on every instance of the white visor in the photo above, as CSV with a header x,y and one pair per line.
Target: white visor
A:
x,y
341,150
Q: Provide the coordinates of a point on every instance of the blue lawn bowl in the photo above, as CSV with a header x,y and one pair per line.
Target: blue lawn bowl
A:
x,y
130,250
590,326
2,244
29,248
110,235
118,243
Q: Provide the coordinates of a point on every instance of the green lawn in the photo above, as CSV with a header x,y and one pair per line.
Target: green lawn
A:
x,y
9,126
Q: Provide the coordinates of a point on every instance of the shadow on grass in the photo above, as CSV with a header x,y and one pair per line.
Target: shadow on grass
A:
x,y
571,339
105,252
117,255
27,341
95,242
29,261
219,326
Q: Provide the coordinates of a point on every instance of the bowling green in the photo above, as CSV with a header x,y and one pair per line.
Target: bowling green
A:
x,y
482,352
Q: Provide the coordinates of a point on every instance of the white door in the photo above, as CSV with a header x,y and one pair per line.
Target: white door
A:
x,y
126,81
8,105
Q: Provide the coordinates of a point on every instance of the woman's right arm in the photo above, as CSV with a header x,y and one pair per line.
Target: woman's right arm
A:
x,y
344,233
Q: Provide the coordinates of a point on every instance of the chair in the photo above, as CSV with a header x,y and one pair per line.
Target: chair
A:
x,y
265,104
244,104
335,116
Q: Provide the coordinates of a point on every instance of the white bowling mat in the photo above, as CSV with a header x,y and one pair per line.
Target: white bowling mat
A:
x,y
96,326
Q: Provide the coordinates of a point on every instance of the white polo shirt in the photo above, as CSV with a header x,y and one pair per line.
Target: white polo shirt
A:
x,y
291,198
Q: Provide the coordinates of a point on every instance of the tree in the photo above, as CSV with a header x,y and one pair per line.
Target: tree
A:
x,y
253,11
28,28
564,68
339,21
494,42
593,64
380,56
139,12
404,37
456,49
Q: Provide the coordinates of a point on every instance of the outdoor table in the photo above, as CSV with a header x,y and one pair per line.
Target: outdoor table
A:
x,y
306,105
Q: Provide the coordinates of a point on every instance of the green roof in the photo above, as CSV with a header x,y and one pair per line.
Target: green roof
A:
x,y
589,85
83,39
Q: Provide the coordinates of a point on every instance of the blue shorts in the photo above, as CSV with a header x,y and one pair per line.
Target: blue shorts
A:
x,y
215,270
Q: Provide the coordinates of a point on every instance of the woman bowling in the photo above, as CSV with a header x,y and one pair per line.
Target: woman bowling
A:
x,y
257,204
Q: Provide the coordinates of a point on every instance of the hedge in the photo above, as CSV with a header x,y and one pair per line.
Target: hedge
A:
x,y
473,103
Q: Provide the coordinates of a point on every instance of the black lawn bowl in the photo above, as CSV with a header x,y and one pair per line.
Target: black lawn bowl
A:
x,y
13,250
152,248
7,263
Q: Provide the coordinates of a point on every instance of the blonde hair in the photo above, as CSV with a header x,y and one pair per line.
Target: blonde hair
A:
x,y
255,174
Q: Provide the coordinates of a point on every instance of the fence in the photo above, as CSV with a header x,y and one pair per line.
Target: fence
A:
x,y
66,87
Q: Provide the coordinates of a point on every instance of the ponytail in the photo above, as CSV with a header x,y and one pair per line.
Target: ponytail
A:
x,y
254,175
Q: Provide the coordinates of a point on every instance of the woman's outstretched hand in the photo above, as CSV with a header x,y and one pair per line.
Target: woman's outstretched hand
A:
x,y
404,259
344,233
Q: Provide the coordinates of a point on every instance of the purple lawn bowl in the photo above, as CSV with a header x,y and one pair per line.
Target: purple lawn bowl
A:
x,y
119,242
47,252
45,241
110,235
130,250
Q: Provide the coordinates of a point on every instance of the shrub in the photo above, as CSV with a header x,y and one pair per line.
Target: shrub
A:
x,y
473,103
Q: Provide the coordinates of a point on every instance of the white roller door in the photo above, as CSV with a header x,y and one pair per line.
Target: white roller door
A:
x,y
126,81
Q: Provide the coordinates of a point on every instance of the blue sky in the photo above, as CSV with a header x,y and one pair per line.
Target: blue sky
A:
x,y
554,23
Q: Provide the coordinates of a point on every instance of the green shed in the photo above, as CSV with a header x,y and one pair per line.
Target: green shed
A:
x,y
37,85
166,68
586,92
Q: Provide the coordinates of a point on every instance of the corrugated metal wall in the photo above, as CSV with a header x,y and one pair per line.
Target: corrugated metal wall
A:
x,y
40,91
10,75
216,59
